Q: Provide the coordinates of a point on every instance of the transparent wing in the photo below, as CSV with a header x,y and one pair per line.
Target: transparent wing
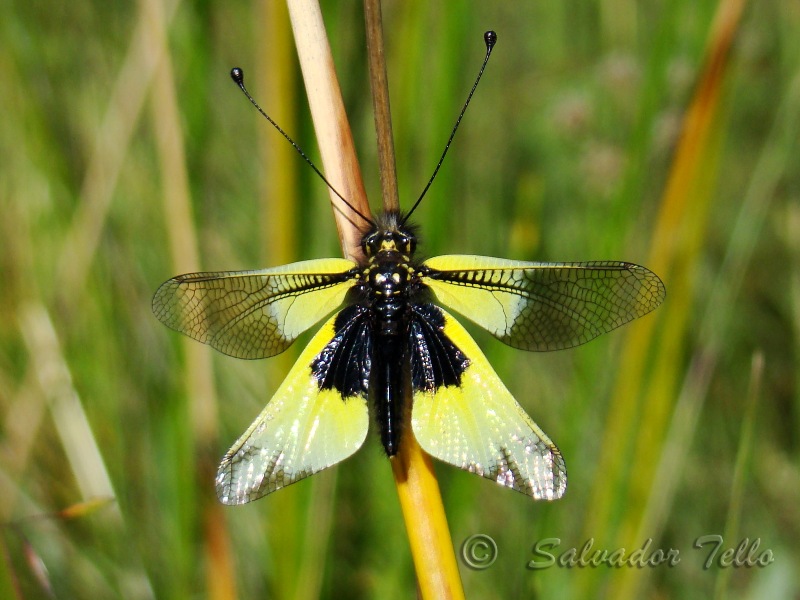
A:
x,y
253,314
476,424
306,427
543,306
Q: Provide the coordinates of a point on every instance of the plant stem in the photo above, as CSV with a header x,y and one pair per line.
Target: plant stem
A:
x,y
417,487
379,84
431,546
334,137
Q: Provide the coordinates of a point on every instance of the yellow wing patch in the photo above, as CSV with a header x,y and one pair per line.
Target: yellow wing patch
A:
x,y
543,306
253,314
478,426
301,431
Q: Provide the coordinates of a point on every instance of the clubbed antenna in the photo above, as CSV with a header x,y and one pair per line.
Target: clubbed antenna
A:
x,y
490,38
237,75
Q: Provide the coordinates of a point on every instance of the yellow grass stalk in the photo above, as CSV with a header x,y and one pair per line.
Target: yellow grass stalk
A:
x,y
426,522
330,121
431,546
417,487
677,240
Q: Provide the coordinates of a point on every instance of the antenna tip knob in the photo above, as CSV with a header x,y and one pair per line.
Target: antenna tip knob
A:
x,y
237,75
490,37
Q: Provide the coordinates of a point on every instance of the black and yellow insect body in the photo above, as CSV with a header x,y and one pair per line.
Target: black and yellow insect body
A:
x,y
389,339
392,333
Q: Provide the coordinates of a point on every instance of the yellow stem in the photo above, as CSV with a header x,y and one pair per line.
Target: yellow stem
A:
x,y
339,159
418,491
426,523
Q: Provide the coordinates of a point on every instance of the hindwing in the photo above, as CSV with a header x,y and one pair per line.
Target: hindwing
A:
x,y
254,314
543,306
317,417
463,414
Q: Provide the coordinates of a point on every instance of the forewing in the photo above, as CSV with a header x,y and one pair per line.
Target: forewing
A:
x,y
543,306
309,424
253,314
475,423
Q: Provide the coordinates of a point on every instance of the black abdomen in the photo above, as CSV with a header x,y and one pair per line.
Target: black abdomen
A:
x,y
388,390
388,285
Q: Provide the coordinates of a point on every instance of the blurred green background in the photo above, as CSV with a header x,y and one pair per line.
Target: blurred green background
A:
x,y
128,156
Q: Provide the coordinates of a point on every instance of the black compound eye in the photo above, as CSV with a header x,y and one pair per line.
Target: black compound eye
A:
x,y
407,243
370,244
